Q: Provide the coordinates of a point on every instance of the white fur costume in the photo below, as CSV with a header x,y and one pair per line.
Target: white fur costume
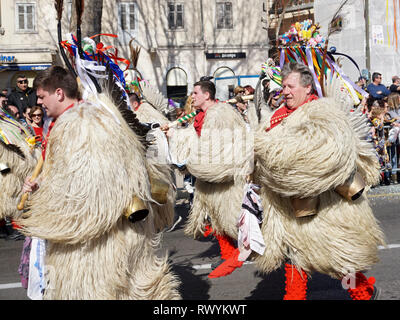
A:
x,y
93,168
310,153
21,160
219,159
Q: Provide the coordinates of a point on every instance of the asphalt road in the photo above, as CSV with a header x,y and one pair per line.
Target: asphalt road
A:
x,y
191,260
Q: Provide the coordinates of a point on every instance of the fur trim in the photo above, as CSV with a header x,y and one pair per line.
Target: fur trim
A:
x,y
93,168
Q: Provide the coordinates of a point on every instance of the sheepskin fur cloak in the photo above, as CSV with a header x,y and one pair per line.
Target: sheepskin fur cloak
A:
x,y
165,212
94,166
147,113
309,154
21,159
220,159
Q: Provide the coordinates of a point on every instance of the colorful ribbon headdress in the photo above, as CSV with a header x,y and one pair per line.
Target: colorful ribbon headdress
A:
x,y
97,70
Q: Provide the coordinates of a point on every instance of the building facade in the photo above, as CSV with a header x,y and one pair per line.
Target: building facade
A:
x,y
369,35
180,40
28,39
281,14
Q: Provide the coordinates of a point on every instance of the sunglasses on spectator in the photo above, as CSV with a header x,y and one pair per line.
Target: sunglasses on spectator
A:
x,y
37,115
22,81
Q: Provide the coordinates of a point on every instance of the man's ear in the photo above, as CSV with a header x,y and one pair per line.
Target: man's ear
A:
x,y
309,89
60,94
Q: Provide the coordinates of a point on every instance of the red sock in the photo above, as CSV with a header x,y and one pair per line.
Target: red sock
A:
x,y
296,283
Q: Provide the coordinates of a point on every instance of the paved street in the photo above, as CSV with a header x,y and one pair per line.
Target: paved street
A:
x,y
191,260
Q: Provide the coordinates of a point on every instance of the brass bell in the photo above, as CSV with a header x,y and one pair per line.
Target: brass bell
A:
x,y
137,210
4,168
353,188
304,207
159,190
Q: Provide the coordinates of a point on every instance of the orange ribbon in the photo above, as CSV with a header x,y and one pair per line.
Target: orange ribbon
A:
x,y
101,49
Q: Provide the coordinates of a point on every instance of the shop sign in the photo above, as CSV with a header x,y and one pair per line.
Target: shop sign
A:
x,y
17,67
231,55
7,59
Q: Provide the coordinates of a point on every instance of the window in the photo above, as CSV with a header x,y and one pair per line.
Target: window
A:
x,y
127,13
175,16
224,15
25,17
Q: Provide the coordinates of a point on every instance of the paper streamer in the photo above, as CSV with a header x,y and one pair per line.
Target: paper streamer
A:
x,y
311,67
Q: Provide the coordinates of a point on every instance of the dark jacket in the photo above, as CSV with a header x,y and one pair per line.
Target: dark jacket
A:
x,y
22,99
374,89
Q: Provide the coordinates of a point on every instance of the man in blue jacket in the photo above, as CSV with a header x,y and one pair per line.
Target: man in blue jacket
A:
x,y
376,89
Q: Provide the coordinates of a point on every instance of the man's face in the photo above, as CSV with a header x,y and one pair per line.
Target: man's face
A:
x,y
50,102
22,83
2,101
378,79
199,97
295,94
15,111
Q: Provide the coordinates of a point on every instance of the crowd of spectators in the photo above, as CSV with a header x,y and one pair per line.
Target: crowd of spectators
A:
x,y
382,108
21,103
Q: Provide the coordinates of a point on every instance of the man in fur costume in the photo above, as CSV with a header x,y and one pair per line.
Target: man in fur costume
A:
x,y
217,150
148,113
94,169
18,156
309,157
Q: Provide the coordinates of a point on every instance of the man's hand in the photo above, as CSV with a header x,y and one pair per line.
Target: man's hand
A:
x,y
164,127
30,186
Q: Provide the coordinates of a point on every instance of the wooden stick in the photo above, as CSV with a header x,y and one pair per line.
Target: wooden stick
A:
x,y
35,173
244,98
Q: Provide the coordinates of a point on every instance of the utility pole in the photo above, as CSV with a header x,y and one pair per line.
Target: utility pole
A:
x,y
2,31
367,47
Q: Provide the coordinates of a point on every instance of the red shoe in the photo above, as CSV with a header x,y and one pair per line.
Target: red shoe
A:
x,y
365,289
227,267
